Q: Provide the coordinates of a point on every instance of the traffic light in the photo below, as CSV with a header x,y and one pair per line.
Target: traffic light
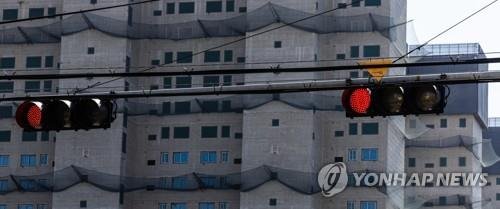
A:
x,y
394,100
58,115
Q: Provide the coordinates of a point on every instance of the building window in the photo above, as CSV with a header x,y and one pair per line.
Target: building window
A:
x,y
354,74
183,82
206,205
354,51
429,165
10,14
83,204
90,50
212,56
209,106
208,157
186,7
51,11
151,137
368,205
230,6
163,206
184,57
7,62
226,106
369,154
164,158
277,44
29,136
240,60
5,136
228,55
166,108
238,135
443,123
179,183
462,161
214,6
36,12
373,3
168,58
462,123
155,62
224,156
209,132
275,122
44,160
25,206
227,80
339,133
4,185
4,160
442,200
225,131
33,62
369,128
210,81
353,129
181,132
498,180
355,3
412,162
176,205
341,56
28,161
47,86
181,157
371,51
350,205
273,202
151,162
157,13
170,8
5,112
7,87
182,107
443,162
32,86
2,206
167,82
165,132
351,154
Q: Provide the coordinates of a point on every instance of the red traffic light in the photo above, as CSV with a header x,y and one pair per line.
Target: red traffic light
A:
x,y
29,115
357,100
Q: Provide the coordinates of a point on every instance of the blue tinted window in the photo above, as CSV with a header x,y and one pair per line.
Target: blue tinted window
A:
x,y
33,62
412,162
354,51
371,51
214,6
352,154
28,161
4,160
350,204
7,62
163,206
25,206
181,157
32,86
186,7
462,161
164,158
462,123
368,205
179,182
4,185
208,182
370,154
35,12
4,136
44,159
224,156
369,128
29,136
353,128
206,205
176,205
10,14
373,3
207,157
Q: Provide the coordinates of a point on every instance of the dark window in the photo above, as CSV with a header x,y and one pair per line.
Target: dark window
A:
x,y
443,162
443,123
182,107
275,122
5,111
240,59
228,55
184,57
353,129
47,86
461,161
237,161
212,56
431,126
412,162
341,5
93,1
339,133
371,51
35,12
124,143
209,81
462,123
498,197
229,6
32,86
354,51
165,132
45,136
51,11
429,165
152,137
442,200
338,159
169,58
210,106
341,56
242,9
181,132
226,106
167,83
186,7
151,162
183,82
155,62
6,87
209,132
227,80
498,180
166,108
277,44
33,62
273,202
369,128
372,3
225,131
354,74
214,6
356,3
170,8
90,50
130,16
157,13
238,135
5,136
29,136
10,14
83,204
49,61
7,62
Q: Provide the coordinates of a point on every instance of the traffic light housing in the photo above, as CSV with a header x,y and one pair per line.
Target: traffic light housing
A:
x,y
74,114
394,100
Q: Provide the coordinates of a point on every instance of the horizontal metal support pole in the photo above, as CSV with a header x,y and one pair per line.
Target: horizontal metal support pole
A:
x,y
284,87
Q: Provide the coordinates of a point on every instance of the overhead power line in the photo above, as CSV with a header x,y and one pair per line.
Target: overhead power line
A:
x,y
75,12
284,87
245,71
447,29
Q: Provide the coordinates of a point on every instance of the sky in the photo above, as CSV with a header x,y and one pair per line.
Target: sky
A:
x,y
430,17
